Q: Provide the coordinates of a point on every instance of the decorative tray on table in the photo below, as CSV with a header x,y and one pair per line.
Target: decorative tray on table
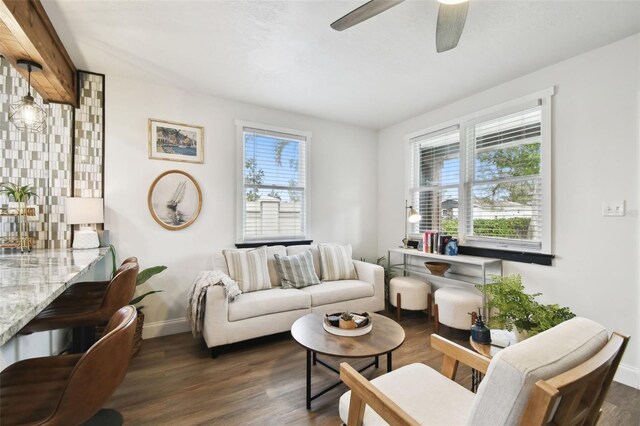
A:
x,y
347,323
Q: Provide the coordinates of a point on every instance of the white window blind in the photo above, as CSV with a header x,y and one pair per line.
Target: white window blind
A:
x,y
435,179
504,197
274,190
486,177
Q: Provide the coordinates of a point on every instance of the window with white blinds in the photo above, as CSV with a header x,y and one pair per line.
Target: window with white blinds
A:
x,y
503,174
435,180
274,188
486,178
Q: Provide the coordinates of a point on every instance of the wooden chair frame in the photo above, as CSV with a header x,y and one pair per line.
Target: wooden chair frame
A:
x,y
363,393
575,397
571,398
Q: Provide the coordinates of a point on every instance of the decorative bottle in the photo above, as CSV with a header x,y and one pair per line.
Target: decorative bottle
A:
x,y
479,332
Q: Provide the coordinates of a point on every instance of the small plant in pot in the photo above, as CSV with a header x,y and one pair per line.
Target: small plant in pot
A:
x,y
20,194
388,274
517,311
143,277
346,321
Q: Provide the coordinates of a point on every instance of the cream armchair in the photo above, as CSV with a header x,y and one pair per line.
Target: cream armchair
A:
x,y
561,375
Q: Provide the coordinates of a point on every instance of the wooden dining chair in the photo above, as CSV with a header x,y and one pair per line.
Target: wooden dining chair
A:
x,y
68,389
560,376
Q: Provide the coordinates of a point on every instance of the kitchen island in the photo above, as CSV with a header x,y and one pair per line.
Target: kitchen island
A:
x,y
30,281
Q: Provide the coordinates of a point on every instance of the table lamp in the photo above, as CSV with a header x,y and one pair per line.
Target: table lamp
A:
x,y
412,217
84,212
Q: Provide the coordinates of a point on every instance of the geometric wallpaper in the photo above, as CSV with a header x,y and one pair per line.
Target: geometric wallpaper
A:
x,y
52,162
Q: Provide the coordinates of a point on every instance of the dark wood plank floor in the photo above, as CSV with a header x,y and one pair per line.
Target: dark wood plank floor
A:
x,y
173,381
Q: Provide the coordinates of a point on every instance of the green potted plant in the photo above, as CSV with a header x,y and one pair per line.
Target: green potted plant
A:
x,y
21,194
388,274
143,277
346,321
513,309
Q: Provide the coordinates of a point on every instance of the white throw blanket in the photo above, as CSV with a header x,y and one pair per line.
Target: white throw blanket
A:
x,y
198,293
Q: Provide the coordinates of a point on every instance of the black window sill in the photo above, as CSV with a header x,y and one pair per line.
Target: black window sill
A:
x,y
513,256
274,243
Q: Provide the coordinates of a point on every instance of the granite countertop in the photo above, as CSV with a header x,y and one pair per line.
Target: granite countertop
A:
x,y
30,281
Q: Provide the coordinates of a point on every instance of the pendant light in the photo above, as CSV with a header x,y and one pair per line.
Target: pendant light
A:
x,y
26,114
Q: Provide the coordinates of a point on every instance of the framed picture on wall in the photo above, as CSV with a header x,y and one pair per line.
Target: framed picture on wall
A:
x,y
176,141
174,199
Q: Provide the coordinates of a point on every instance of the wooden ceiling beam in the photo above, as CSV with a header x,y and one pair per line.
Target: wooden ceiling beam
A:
x,y
27,33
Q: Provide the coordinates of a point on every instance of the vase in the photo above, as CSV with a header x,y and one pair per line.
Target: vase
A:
x,y
347,324
520,334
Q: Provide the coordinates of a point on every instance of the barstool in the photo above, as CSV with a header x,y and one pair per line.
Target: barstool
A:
x,y
69,389
411,294
452,306
82,307
97,285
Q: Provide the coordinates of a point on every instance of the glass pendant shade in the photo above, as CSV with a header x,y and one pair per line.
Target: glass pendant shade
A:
x,y
27,115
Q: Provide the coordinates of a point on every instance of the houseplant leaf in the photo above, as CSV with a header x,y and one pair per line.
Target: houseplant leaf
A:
x,y
142,296
144,275
113,260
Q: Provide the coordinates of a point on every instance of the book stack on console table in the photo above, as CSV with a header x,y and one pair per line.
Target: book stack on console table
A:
x,y
435,242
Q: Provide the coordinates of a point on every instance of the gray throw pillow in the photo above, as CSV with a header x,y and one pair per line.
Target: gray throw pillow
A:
x,y
296,271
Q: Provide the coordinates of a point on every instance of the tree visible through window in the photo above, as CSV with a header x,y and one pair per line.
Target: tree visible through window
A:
x,y
504,157
274,185
483,180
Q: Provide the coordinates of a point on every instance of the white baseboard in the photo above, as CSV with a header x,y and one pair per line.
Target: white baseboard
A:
x,y
628,375
164,328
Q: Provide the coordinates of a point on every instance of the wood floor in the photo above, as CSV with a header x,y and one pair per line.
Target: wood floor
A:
x,y
173,381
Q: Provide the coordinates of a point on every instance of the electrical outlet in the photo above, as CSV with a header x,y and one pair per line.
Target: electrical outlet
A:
x,y
613,208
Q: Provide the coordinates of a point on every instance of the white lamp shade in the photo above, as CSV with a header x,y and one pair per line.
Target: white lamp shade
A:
x,y
413,216
80,211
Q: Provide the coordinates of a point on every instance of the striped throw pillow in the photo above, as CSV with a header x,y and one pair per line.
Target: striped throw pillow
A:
x,y
248,268
296,271
336,263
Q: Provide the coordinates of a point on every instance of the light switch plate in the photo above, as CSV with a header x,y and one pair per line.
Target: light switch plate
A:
x,y
613,208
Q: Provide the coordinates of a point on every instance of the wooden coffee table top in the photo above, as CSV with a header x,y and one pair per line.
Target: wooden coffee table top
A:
x,y
385,336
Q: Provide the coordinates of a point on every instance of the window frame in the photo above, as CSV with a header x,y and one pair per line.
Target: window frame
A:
x,y
543,99
416,188
240,211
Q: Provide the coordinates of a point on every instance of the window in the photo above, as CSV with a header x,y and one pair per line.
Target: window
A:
x,y
435,170
486,178
274,183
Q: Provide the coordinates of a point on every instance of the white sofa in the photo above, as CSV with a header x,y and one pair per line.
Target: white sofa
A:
x,y
265,312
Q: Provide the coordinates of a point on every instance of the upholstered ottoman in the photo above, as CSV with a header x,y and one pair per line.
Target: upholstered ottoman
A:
x,y
453,305
411,294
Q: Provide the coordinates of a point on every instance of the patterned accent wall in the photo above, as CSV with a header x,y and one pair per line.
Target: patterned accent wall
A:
x,y
89,137
44,160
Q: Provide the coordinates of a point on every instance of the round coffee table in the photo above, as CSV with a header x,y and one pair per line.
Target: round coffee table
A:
x,y
385,337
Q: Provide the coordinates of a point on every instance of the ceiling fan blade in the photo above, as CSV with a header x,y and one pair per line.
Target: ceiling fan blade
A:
x,y
364,12
451,19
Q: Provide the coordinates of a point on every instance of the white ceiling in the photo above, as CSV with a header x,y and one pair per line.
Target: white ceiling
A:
x,y
284,55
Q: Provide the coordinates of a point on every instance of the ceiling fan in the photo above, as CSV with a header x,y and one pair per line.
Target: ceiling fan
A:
x,y
451,18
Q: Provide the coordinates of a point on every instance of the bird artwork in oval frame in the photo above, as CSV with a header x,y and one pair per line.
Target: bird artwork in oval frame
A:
x,y
174,199
176,141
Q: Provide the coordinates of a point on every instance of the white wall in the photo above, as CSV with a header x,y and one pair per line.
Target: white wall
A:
x,y
343,184
595,157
